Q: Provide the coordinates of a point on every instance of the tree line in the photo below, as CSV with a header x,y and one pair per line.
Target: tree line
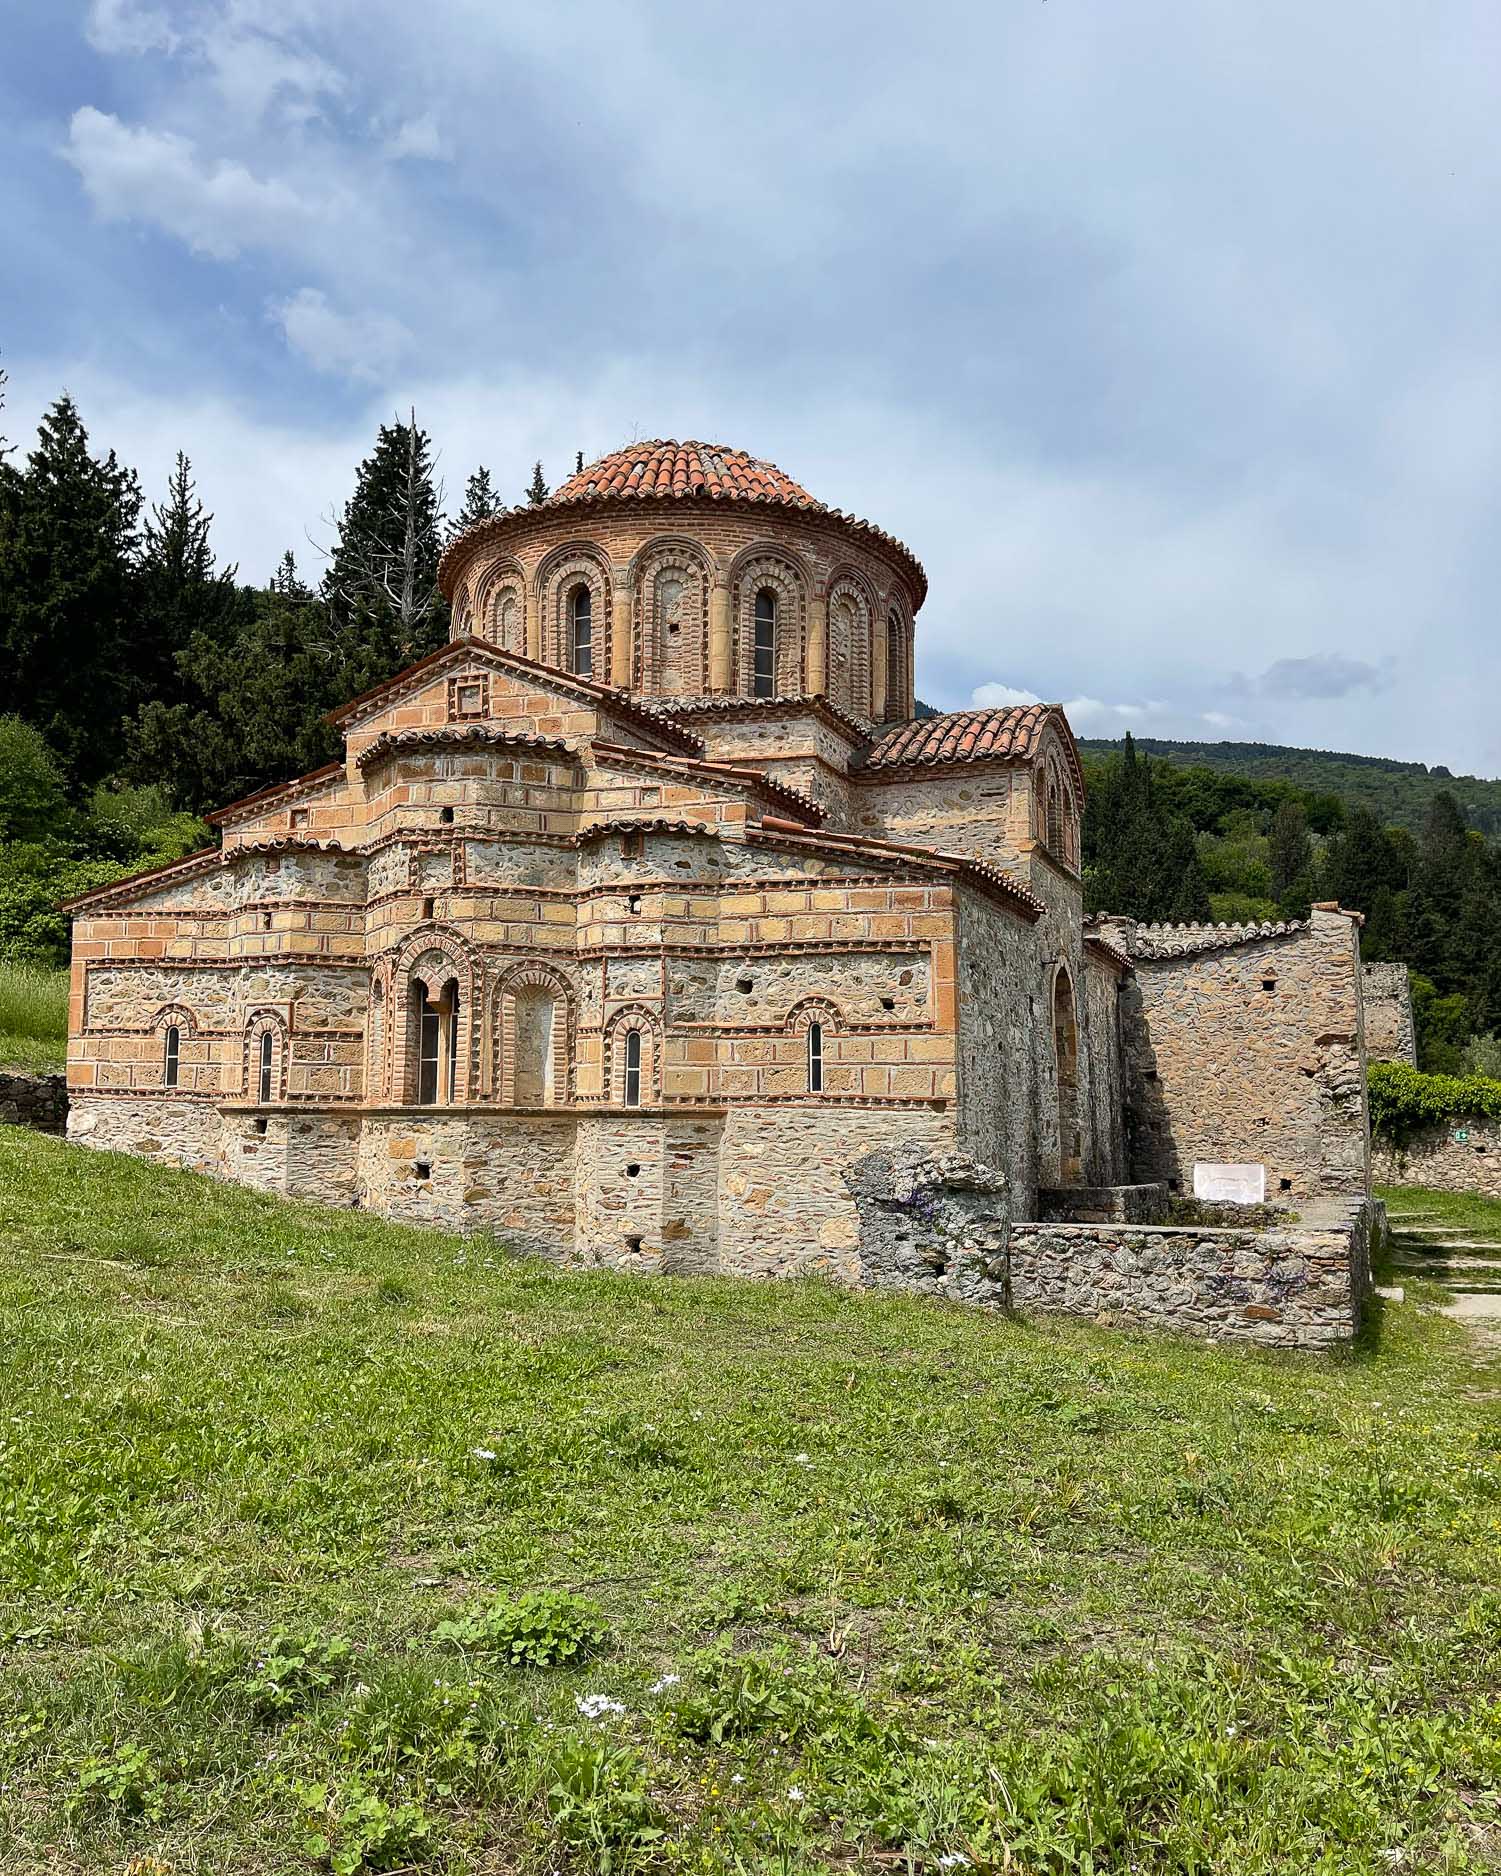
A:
x,y
147,682
1167,843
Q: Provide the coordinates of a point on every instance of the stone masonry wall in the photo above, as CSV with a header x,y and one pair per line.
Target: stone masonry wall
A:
x,y
1390,1034
1248,1049
1439,1158
1300,1287
39,1101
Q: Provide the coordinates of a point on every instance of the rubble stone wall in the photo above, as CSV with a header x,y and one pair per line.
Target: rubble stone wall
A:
x,y
39,1101
1390,1033
1440,1158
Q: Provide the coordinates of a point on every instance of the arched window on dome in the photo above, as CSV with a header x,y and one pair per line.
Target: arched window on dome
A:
x,y
1056,836
581,631
764,667
896,668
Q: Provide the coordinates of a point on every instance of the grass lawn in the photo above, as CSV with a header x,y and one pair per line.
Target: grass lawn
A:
x,y
325,1543
33,1018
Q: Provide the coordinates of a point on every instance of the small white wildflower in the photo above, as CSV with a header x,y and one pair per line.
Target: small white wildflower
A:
x,y
661,1686
483,1452
801,1459
953,1859
737,1778
795,1793
596,1706
1230,1731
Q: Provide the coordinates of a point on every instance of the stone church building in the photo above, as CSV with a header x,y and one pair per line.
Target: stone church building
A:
x,y
633,916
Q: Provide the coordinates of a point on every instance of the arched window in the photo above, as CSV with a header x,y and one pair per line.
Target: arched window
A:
x,y
581,631
171,1055
633,1068
436,1021
815,1058
1066,1058
764,667
896,668
267,1049
532,1046
1055,819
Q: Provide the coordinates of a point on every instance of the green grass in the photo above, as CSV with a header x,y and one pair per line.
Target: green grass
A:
x,y
1467,1211
277,1485
33,1017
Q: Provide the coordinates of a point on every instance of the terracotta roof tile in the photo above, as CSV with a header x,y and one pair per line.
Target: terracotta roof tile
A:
x,y
963,736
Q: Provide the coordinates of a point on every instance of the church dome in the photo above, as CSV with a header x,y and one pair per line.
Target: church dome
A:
x,y
672,468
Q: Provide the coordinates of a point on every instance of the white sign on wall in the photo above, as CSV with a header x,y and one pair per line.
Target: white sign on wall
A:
x,y
1235,1185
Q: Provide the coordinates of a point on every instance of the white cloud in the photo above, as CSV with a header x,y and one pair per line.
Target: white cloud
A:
x,y
254,51
366,346
217,208
419,137
1001,697
126,26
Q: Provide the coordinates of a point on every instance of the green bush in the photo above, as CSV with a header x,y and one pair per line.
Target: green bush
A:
x,y
1404,1100
541,1628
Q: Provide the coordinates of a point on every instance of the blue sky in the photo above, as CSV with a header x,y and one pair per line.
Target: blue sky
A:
x,y
1168,336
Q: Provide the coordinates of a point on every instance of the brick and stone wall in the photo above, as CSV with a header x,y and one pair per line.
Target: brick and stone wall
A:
x,y
1464,1155
39,1101
1245,1044
1390,1034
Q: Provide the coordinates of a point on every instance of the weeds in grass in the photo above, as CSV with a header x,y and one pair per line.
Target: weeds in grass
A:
x,y
809,1579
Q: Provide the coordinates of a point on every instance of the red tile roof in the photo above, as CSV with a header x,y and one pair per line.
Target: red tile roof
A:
x,y
673,471
963,736
682,469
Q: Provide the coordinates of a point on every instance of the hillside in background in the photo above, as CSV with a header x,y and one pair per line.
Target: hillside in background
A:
x,y
1399,794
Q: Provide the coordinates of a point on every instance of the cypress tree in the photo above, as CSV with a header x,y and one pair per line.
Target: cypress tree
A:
x,y
481,501
537,491
381,585
181,591
70,641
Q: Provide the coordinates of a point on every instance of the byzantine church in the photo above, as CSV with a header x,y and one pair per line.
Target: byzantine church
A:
x,y
637,913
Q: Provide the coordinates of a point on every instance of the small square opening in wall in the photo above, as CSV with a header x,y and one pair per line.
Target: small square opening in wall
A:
x,y
297,819
258,1125
745,985
445,815
633,1244
1269,983
427,908
633,1171
633,902
422,1169
888,1003
1284,1185
265,921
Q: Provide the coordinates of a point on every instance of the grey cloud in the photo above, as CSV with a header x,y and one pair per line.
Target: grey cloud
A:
x,y
1325,674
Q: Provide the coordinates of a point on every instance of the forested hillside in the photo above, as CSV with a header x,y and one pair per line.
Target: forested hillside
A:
x,y
1399,794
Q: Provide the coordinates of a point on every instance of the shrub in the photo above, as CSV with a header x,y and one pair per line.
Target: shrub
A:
x,y
541,1628
1404,1100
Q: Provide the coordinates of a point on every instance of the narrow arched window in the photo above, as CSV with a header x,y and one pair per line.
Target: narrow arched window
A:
x,y
429,1019
896,669
451,1051
265,1066
581,631
633,1068
171,1053
815,1058
1055,821
764,670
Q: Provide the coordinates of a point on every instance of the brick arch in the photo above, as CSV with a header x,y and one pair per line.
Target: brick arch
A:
x,y
640,1017
852,620
786,575
259,1023
667,663
899,673
1056,808
814,1010
409,963
574,564
179,1016
498,608
514,985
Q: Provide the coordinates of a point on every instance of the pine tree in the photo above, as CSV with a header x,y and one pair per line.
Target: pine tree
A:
x,y
1139,858
538,490
181,592
381,587
71,645
481,501
1290,857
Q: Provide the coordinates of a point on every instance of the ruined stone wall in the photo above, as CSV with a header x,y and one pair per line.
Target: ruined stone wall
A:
x,y
1103,1094
39,1101
1390,1033
1248,1049
1462,1156
1302,1287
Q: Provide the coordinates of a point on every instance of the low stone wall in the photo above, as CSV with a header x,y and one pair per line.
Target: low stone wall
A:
x,y
937,1224
1462,1156
1104,1205
1296,1286
39,1101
